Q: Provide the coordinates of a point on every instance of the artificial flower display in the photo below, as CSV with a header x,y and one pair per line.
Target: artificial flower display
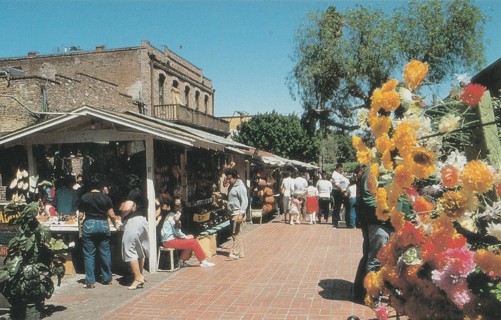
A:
x,y
443,261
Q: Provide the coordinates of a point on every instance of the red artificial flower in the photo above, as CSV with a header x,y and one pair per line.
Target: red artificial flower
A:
x,y
498,190
472,94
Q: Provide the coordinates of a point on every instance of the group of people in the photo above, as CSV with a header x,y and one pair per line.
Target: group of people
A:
x,y
315,197
98,209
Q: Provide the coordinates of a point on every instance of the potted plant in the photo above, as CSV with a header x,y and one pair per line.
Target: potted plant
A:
x,y
26,276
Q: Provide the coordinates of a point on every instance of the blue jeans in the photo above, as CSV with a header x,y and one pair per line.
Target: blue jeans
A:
x,y
351,215
378,237
96,235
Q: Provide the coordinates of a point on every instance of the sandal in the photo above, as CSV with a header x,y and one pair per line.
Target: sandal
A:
x,y
136,285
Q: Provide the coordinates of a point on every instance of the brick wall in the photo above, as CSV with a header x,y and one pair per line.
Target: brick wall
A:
x,y
108,79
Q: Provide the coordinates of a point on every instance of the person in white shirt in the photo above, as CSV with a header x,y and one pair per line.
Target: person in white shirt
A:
x,y
340,193
324,187
287,190
300,185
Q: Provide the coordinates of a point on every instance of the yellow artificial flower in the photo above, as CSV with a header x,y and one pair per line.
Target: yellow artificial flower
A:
x,y
386,97
477,177
380,126
373,283
382,209
404,136
384,143
372,179
422,162
414,74
403,176
387,160
394,192
357,142
453,204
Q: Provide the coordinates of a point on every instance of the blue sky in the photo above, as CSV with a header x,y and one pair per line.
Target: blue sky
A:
x,y
244,47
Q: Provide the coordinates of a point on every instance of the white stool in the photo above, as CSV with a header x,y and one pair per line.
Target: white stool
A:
x,y
172,257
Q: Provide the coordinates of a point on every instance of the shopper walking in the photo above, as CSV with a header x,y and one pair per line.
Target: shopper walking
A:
x,y
135,240
236,206
339,193
311,202
324,187
286,190
97,208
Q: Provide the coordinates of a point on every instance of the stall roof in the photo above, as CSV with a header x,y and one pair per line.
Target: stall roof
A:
x,y
273,159
199,133
70,128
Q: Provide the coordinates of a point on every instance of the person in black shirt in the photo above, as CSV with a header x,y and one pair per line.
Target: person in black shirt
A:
x,y
97,207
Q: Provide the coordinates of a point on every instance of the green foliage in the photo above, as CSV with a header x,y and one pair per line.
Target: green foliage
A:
x,y
336,148
280,134
340,58
26,277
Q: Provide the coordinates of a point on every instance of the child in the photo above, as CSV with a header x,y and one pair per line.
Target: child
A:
x,y
311,202
295,209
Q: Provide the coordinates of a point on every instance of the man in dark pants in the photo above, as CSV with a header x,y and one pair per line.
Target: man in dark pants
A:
x,y
375,232
340,194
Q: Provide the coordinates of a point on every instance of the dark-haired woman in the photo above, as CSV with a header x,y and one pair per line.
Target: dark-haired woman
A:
x,y
96,232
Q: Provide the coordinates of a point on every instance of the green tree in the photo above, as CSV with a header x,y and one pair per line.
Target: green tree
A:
x,y
336,147
340,58
282,135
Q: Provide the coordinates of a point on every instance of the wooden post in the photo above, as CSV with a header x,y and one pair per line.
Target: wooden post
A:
x,y
485,137
150,191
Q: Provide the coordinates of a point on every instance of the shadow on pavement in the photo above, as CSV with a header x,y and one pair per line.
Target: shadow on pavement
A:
x,y
336,289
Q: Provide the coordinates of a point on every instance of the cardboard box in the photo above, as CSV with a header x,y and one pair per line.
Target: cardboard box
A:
x,y
68,265
208,244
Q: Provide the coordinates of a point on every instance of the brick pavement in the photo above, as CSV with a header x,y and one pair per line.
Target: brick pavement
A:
x,y
289,272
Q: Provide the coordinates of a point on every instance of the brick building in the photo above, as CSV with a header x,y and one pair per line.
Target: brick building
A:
x,y
142,79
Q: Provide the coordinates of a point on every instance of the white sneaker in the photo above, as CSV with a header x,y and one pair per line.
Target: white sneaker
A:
x,y
297,222
291,223
206,264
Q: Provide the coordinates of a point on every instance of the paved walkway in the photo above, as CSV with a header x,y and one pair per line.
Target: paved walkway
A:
x,y
289,272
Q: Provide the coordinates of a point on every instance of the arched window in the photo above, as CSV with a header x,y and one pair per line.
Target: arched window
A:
x,y
197,100
175,93
206,104
187,96
161,84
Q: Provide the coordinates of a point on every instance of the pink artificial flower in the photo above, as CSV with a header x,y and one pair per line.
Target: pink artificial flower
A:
x,y
456,287
460,261
381,312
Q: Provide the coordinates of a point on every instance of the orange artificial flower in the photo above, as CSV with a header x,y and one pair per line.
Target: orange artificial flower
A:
x,y
397,219
414,74
357,142
363,152
498,190
387,160
450,176
453,204
477,177
403,176
422,206
382,209
394,192
489,262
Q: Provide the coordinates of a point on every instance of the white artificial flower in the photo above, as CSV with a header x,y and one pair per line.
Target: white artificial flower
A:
x,y
406,96
494,229
468,223
362,118
457,160
434,144
492,212
448,123
463,78
431,190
